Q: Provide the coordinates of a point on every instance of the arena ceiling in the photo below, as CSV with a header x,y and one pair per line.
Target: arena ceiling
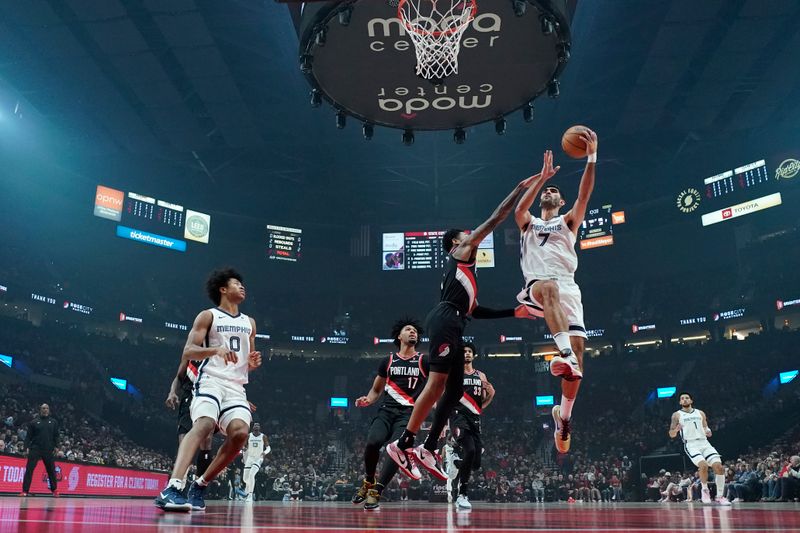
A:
x,y
201,96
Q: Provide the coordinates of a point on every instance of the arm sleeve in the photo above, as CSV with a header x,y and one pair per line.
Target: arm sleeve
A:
x,y
482,313
383,366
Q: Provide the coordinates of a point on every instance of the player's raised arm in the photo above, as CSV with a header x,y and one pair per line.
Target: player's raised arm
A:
x,y
575,216
194,349
522,214
466,248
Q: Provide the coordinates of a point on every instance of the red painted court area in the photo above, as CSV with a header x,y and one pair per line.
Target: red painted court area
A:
x,y
43,515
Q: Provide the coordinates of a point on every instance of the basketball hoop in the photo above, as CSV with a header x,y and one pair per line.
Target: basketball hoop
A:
x,y
435,27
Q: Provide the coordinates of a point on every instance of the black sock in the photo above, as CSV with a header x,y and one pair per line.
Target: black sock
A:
x,y
203,461
431,442
406,440
379,487
462,490
370,480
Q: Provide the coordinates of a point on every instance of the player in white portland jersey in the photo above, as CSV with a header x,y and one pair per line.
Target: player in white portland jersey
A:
x,y
548,261
256,449
223,339
692,425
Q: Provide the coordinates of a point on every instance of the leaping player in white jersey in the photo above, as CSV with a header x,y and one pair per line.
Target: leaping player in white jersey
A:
x,y
548,262
222,338
692,425
256,449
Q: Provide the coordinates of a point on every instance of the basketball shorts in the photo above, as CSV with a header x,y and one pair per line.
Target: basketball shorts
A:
x,y
184,415
250,462
570,297
388,424
220,400
445,327
701,450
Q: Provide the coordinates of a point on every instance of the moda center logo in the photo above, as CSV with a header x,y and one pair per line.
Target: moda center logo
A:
x,y
410,101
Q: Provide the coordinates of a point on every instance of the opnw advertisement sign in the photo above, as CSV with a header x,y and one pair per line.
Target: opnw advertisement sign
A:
x,y
81,479
108,203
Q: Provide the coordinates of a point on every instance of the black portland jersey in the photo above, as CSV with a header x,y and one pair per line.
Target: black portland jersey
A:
x,y
405,378
472,399
459,285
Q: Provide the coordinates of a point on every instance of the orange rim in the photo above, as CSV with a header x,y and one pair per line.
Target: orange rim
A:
x,y
473,8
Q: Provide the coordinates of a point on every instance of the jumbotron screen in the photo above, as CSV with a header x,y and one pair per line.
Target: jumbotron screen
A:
x,y
284,244
150,220
414,250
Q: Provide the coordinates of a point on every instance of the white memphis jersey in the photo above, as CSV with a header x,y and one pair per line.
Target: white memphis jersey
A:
x,y
233,332
691,425
548,250
255,445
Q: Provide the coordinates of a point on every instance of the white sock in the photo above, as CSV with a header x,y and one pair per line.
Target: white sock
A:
x,y
176,482
705,486
201,481
720,481
566,407
562,341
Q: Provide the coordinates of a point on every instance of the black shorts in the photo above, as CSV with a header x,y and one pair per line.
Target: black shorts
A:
x,y
445,328
184,416
388,424
465,422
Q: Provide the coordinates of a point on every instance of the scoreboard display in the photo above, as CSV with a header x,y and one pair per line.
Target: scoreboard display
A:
x,y
284,244
150,220
738,192
415,250
597,228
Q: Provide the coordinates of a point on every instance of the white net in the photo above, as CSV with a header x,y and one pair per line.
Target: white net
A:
x,y
435,27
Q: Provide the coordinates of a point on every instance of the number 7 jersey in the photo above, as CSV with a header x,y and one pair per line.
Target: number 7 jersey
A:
x,y
548,250
233,332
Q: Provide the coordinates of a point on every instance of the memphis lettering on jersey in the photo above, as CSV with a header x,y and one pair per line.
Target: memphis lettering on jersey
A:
x,y
548,228
234,329
404,371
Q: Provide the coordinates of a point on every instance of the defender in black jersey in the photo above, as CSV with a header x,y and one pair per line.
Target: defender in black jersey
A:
x,y
465,424
446,322
401,376
180,397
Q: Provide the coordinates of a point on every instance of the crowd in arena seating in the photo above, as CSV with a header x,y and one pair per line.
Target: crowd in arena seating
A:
x,y
317,451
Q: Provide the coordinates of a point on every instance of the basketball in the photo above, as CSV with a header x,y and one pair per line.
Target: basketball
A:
x,y
572,143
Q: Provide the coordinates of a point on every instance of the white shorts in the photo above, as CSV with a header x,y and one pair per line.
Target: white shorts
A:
x,y
220,400
570,297
250,462
700,450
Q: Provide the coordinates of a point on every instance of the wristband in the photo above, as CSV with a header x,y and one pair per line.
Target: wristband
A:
x,y
592,158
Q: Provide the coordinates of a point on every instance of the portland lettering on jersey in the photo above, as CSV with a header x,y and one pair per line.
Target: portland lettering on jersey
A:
x,y
404,371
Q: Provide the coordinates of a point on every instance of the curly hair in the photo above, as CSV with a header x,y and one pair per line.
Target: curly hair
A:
x,y
447,239
472,347
403,322
219,279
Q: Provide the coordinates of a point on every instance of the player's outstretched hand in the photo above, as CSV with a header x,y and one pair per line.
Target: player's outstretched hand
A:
x,y
590,138
522,311
253,360
547,166
362,401
172,400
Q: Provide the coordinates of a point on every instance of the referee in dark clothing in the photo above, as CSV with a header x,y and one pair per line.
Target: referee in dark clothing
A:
x,y
41,442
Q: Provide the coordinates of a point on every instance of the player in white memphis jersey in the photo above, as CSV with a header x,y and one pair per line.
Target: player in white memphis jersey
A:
x,y
548,261
692,425
222,338
256,449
